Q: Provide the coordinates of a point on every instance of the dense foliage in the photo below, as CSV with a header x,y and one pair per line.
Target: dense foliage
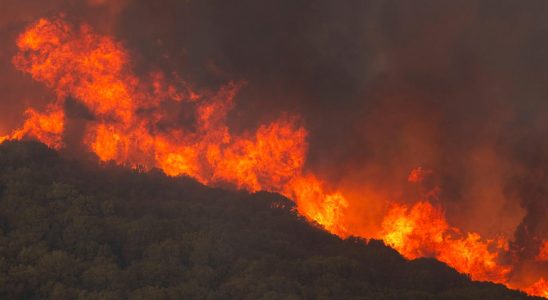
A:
x,y
79,230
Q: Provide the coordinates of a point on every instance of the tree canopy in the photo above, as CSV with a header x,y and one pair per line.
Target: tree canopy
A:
x,y
76,229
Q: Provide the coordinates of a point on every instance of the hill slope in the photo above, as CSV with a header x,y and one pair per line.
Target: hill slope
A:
x,y
76,230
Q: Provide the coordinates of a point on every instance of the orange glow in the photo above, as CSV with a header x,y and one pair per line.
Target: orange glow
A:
x,y
418,174
539,288
422,231
128,127
94,70
45,127
543,252
316,204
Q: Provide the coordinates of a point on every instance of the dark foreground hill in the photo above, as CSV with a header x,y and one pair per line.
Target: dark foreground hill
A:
x,y
75,230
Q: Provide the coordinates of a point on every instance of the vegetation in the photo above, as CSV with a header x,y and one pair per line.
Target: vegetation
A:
x,y
72,229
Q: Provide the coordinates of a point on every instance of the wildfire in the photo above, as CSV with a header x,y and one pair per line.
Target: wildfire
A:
x,y
313,202
129,127
422,231
76,62
539,288
45,127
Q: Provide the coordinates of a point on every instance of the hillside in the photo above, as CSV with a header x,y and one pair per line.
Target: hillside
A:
x,y
73,229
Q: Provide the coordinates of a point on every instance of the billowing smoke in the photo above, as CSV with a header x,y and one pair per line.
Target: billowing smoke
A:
x,y
456,87
384,86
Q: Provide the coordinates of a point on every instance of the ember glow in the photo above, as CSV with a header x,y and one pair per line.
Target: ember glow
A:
x,y
543,252
539,288
127,121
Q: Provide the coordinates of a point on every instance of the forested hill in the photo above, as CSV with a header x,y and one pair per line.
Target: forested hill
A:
x,y
79,230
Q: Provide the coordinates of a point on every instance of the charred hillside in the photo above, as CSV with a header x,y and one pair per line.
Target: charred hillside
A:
x,y
76,230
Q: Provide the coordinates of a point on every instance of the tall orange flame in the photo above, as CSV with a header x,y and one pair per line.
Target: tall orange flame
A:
x,y
129,127
422,231
94,69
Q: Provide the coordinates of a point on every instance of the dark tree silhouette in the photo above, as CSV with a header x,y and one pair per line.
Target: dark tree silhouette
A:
x,y
77,229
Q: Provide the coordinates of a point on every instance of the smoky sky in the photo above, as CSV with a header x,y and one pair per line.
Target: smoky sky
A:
x,y
459,87
382,86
